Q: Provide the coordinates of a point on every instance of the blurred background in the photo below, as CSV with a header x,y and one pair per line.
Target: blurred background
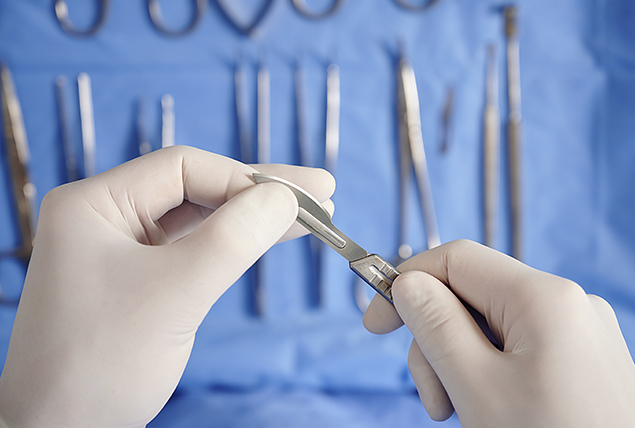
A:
x,y
271,74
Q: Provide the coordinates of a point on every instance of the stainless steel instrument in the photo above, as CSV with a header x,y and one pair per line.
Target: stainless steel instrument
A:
x,y
514,129
411,141
65,129
263,155
491,149
168,120
305,10
373,269
156,16
87,120
142,132
18,155
61,13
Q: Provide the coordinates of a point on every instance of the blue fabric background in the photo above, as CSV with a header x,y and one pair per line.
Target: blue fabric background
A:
x,y
302,367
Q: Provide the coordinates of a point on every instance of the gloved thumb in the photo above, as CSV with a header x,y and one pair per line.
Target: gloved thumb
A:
x,y
214,256
447,335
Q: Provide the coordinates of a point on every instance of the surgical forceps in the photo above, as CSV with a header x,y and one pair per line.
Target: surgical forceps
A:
x,y
373,269
514,125
18,154
411,142
305,10
61,12
412,156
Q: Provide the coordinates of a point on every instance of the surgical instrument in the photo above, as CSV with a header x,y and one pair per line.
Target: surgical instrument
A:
x,y
373,269
264,113
61,12
88,123
18,154
167,120
332,117
404,4
154,8
305,10
446,119
514,125
242,112
306,159
65,129
142,130
263,155
491,149
304,145
248,28
412,142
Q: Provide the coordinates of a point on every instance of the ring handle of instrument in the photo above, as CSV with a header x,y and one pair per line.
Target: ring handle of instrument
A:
x,y
157,18
405,4
305,10
61,12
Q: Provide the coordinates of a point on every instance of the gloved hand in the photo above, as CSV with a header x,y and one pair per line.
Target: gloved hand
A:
x,y
125,267
562,361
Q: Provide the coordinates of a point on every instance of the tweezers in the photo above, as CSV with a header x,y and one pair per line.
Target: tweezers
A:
x,y
373,269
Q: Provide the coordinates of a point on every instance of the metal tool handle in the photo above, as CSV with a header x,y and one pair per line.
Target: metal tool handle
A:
x,y
491,147
87,119
515,179
491,150
377,273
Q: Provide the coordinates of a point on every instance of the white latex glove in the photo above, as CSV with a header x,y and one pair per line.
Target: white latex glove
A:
x,y
125,267
563,363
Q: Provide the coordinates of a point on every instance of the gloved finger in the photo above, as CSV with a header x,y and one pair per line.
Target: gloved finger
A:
x,y
492,283
431,391
381,317
319,183
446,333
308,182
135,195
183,219
213,256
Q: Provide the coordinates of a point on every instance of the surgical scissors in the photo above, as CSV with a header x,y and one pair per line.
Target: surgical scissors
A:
x,y
373,269
416,7
305,10
61,12
18,154
154,8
